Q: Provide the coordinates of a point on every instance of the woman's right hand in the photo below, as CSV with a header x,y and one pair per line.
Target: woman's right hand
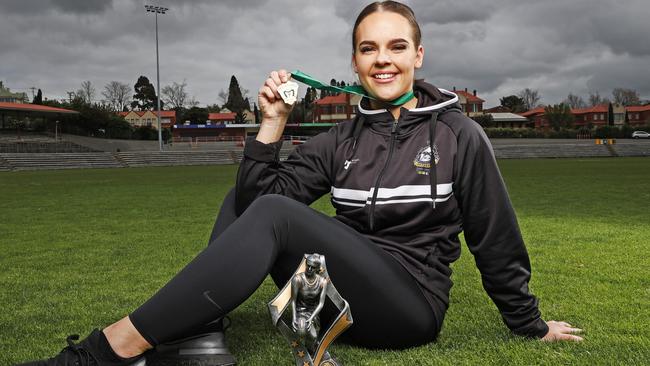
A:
x,y
274,110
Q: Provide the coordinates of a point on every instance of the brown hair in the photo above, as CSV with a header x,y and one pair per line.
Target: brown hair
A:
x,y
391,6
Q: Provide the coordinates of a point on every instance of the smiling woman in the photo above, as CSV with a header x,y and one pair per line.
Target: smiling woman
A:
x,y
405,180
385,57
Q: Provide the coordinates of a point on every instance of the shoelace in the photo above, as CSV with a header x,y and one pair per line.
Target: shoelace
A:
x,y
82,356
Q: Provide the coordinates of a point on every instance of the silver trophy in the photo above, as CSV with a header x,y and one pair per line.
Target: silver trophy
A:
x,y
306,292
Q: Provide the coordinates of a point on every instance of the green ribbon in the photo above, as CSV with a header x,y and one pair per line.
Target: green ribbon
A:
x,y
350,89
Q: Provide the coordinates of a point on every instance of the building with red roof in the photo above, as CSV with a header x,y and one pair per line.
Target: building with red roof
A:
x,y
226,117
149,118
6,96
32,111
470,104
336,108
596,116
638,115
536,116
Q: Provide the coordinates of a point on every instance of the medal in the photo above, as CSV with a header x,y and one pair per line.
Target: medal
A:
x,y
289,92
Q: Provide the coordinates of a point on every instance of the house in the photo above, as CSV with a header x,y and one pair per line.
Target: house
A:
x,y
638,115
470,104
222,117
149,118
228,117
336,108
6,96
536,117
595,116
497,109
591,116
509,120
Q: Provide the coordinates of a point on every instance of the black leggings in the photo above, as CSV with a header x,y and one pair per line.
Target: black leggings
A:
x,y
271,237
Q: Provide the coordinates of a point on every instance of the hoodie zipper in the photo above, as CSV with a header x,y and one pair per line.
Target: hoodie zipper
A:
x,y
371,218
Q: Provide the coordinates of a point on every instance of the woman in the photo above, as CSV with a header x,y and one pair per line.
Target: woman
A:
x,y
389,248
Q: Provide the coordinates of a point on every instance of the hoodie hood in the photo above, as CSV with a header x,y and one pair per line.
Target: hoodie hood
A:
x,y
430,100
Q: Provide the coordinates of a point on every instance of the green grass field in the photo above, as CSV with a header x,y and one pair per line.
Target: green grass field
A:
x,y
81,248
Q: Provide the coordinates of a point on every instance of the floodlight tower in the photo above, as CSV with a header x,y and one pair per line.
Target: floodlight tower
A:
x,y
157,10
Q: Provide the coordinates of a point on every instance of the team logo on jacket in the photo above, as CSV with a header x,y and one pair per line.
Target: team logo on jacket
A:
x,y
422,160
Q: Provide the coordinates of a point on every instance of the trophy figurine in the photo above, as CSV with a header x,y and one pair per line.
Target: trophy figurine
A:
x,y
306,293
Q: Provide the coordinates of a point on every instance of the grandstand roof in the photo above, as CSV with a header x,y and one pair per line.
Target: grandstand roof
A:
x,y
33,108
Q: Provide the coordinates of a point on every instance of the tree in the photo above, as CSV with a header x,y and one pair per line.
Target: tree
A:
x,y
86,92
574,101
38,98
145,97
559,116
514,103
595,99
297,114
485,120
192,102
223,97
610,115
256,114
240,117
175,95
196,115
213,108
310,97
626,96
530,97
235,101
117,95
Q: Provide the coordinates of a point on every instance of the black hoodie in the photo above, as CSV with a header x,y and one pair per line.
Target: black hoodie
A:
x,y
375,150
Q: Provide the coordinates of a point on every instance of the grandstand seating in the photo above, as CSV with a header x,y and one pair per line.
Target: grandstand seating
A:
x,y
640,148
30,161
169,158
4,165
33,161
550,151
36,143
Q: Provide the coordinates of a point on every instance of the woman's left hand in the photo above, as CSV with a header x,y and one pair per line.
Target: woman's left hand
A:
x,y
561,331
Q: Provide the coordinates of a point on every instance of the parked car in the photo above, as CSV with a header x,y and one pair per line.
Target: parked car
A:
x,y
640,135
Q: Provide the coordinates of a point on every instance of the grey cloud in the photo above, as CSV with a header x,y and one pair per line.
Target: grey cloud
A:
x,y
451,11
506,45
35,7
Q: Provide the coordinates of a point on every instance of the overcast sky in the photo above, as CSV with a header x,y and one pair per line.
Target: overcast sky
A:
x,y
498,47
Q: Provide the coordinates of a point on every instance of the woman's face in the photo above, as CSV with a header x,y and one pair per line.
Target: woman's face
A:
x,y
385,56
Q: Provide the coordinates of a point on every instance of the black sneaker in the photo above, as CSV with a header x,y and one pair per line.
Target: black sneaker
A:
x,y
208,348
92,351
201,350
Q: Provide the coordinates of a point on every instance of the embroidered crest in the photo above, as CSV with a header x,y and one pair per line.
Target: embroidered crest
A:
x,y
422,161
347,163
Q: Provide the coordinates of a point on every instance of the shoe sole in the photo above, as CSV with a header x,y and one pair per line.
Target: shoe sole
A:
x,y
208,360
